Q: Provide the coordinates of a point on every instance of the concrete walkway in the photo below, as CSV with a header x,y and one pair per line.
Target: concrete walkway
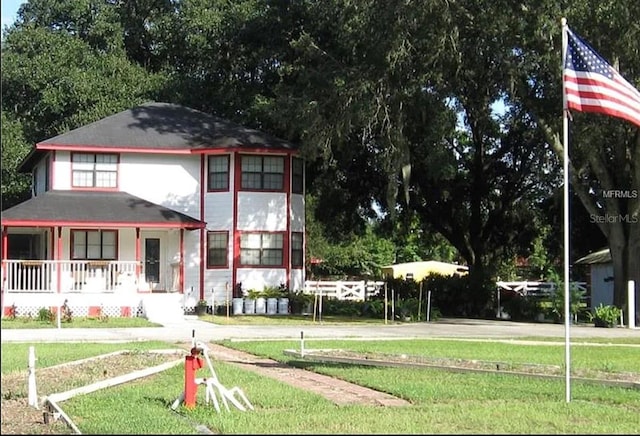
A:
x,y
443,328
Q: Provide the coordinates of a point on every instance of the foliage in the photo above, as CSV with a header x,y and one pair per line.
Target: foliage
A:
x,y
254,294
522,308
299,301
576,298
204,303
45,315
66,312
605,315
274,292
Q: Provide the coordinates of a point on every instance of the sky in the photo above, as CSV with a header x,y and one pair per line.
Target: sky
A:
x,y
9,9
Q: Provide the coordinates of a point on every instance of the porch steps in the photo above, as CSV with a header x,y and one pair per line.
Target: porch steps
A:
x,y
164,308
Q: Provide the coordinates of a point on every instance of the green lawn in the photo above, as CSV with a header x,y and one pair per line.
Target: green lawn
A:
x,y
442,402
77,322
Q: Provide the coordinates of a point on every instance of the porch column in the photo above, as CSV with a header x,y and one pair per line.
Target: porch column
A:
x,y
5,255
58,255
181,263
138,250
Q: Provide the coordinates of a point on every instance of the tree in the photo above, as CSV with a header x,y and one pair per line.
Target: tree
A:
x,y
54,80
603,151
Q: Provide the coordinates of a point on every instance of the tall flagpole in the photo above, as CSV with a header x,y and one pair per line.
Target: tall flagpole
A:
x,y
565,172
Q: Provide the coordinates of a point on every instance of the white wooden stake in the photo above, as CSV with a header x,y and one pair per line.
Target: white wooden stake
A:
x,y
33,393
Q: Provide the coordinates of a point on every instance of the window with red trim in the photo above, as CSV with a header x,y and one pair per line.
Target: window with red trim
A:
x,y
297,176
217,249
262,249
296,249
262,173
94,244
90,170
218,172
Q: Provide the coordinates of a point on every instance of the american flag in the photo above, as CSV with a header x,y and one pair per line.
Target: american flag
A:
x,y
592,85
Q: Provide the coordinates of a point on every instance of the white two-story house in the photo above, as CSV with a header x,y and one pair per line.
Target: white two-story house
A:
x,y
156,199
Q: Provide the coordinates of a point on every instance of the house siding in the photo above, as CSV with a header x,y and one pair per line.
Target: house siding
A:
x,y
62,170
172,181
262,211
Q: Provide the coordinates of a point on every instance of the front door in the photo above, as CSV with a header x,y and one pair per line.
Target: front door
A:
x,y
152,260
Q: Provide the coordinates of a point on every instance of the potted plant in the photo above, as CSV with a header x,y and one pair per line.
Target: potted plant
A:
x,y
605,316
250,301
272,294
201,307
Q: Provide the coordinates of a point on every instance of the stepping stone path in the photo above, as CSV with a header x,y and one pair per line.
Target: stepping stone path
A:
x,y
338,391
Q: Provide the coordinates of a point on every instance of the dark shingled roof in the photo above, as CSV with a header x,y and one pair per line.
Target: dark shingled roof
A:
x,y
160,126
166,126
120,208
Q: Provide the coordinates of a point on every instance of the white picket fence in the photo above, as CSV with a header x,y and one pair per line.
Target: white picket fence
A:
x,y
343,290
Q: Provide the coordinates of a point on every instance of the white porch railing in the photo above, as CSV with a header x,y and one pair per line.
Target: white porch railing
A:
x,y
69,276
343,290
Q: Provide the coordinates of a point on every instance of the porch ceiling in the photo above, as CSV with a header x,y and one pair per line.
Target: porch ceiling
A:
x,y
93,208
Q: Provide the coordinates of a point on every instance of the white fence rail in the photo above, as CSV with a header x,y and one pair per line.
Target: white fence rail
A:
x,y
343,290
535,289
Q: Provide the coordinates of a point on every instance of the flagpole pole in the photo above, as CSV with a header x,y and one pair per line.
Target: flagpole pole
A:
x,y
565,172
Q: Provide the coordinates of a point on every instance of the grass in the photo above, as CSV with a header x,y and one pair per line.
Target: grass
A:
x,y
442,402
612,358
78,322
14,355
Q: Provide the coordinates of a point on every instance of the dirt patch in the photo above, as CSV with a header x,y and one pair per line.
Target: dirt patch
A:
x,y
382,359
20,418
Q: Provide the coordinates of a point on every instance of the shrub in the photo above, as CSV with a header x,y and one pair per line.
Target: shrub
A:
x,y
606,316
45,315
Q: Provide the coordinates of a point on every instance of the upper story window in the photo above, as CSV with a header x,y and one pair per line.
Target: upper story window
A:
x,y
261,249
218,179
296,249
297,176
94,244
263,173
217,248
91,170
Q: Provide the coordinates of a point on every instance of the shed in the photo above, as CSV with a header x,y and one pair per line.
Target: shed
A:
x,y
419,270
600,276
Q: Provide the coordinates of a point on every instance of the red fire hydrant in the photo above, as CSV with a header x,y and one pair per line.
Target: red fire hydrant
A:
x,y
192,364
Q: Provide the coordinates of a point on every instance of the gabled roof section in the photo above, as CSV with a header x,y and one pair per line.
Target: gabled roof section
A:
x,y
159,127
95,208
601,256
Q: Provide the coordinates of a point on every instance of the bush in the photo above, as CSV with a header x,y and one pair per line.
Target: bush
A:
x,y
606,316
521,308
45,315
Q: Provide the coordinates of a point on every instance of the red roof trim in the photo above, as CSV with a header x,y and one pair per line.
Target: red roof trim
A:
x,y
126,149
92,224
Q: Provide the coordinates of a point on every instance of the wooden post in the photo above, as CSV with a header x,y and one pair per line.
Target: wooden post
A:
x,y
420,302
393,304
227,288
33,395
386,304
